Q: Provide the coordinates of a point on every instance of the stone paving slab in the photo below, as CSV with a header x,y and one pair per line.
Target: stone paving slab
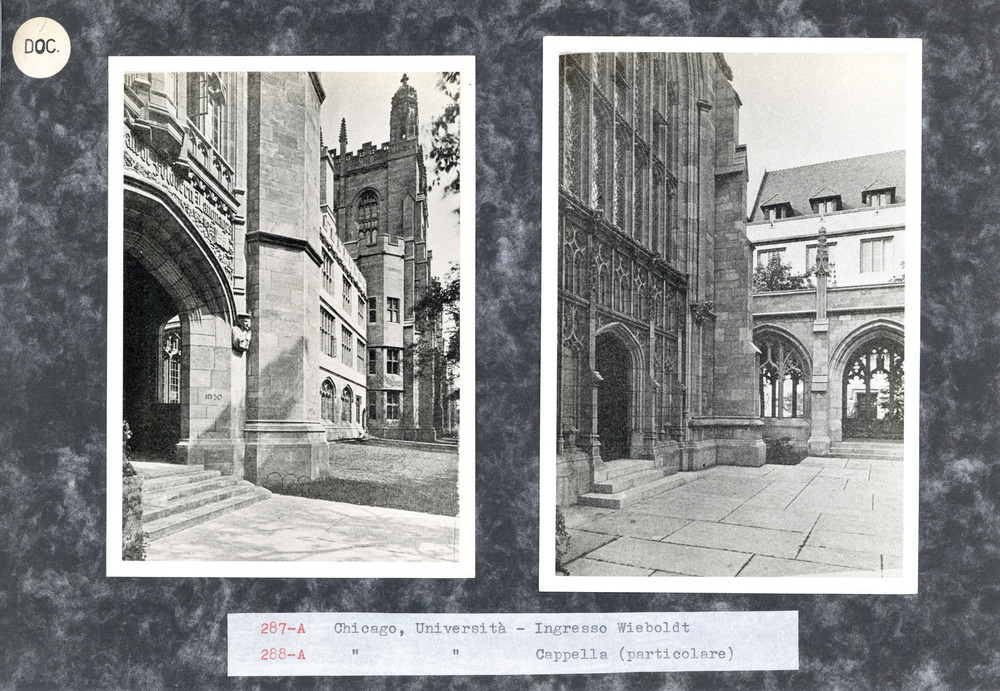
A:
x,y
824,462
576,515
823,517
593,567
632,524
867,561
298,529
763,566
740,538
664,556
581,542
872,524
856,542
695,508
846,473
776,519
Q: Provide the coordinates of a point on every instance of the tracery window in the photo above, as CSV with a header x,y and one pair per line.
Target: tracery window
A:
x,y
599,177
366,218
573,125
207,110
873,390
782,377
326,400
346,401
639,197
170,391
623,145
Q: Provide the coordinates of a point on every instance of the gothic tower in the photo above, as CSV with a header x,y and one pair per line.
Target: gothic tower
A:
x,y
381,209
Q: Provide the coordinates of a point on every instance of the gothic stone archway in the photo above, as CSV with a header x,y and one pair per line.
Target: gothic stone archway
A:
x,y
872,391
614,396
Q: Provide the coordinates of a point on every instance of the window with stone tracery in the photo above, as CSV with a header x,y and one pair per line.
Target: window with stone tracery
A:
x,y
599,176
366,217
782,377
326,400
639,198
170,365
573,128
623,144
346,400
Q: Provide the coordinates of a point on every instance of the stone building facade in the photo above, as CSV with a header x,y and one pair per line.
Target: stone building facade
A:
x,y
230,265
379,196
656,366
831,355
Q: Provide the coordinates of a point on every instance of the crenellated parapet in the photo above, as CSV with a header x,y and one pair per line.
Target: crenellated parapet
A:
x,y
371,155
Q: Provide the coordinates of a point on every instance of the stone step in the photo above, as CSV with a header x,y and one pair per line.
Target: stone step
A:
x,y
156,510
639,493
176,522
170,493
166,482
156,470
624,482
872,450
624,466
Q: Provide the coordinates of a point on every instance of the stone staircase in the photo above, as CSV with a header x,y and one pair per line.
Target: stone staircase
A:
x,y
869,449
175,497
628,481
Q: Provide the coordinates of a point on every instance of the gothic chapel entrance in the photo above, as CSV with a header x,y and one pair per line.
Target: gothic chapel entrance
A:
x,y
614,395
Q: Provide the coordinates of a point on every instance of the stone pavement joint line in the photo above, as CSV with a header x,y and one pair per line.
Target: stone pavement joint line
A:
x,y
827,516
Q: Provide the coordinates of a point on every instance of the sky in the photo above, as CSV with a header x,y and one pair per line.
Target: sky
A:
x,y
804,108
365,99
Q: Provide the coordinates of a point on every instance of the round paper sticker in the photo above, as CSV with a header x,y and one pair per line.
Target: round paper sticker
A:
x,y
41,47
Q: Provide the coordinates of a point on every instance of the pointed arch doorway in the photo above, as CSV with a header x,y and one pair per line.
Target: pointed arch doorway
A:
x,y
614,396
873,391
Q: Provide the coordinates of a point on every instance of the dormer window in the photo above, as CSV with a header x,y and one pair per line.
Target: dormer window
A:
x,y
826,206
877,198
773,212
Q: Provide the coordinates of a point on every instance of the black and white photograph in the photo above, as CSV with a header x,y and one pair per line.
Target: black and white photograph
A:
x,y
288,334
732,314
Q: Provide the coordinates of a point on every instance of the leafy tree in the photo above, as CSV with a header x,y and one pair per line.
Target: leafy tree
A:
x,y
776,275
441,300
444,136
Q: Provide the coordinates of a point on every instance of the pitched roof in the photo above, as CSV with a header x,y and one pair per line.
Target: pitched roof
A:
x,y
847,177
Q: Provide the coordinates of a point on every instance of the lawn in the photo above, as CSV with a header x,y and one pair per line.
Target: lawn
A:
x,y
387,476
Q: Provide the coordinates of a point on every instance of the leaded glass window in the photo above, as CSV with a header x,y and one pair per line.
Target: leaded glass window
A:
x,y
782,377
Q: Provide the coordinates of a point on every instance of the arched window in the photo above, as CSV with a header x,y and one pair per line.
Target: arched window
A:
x,y
170,368
873,390
367,216
782,377
346,400
326,402
573,123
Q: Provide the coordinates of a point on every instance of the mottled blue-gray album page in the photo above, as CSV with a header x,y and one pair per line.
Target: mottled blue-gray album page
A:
x,y
297,303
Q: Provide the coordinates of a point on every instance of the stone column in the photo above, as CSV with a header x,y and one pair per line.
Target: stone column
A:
x,y
284,434
819,438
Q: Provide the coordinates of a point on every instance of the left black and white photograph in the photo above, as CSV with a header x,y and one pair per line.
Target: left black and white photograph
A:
x,y
285,293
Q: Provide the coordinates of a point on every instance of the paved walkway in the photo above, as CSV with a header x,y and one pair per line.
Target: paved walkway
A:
x,y
297,529
823,517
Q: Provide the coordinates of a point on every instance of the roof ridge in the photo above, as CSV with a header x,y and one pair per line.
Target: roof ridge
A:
x,y
839,160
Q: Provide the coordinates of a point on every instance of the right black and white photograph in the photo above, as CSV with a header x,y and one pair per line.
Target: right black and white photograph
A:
x,y
730,306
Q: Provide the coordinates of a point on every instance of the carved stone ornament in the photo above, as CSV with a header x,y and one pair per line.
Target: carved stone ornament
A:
x,y
822,255
241,334
701,311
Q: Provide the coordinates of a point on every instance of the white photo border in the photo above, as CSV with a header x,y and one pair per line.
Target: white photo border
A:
x,y
553,47
464,567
